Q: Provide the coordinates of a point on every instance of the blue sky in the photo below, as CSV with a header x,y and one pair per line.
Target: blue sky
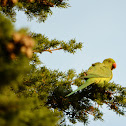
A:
x,y
101,26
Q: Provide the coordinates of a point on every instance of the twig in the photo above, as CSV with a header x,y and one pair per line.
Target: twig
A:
x,y
48,50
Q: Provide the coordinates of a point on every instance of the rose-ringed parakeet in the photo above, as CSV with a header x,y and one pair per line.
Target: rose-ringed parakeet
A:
x,y
98,73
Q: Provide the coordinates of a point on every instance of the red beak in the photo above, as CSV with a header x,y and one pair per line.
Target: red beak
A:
x,y
113,65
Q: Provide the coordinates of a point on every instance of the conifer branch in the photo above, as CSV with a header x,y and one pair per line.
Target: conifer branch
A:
x,y
48,50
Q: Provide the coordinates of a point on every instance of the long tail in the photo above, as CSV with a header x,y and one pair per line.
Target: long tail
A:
x,y
87,83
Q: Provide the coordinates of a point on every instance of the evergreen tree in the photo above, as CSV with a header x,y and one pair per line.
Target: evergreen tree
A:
x,y
32,96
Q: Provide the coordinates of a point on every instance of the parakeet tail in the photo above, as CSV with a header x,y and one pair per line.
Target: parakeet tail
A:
x,y
87,83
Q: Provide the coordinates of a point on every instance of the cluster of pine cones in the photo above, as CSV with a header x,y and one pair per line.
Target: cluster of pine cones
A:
x,y
20,44
5,2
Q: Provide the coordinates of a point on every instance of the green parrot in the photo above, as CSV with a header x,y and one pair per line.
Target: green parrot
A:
x,y
98,73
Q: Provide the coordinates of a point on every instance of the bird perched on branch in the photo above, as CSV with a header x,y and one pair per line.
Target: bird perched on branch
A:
x,y
98,73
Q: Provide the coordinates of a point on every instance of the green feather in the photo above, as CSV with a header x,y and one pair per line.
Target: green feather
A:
x,y
87,83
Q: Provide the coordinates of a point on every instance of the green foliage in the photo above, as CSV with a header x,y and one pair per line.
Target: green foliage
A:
x,y
10,70
39,9
34,96
20,103
15,110
44,44
80,105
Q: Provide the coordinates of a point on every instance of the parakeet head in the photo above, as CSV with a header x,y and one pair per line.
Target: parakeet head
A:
x,y
110,62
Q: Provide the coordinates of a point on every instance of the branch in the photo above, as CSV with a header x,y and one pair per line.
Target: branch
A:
x,y
49,50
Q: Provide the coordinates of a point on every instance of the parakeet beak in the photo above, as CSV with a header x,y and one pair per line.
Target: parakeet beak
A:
x,y
113,66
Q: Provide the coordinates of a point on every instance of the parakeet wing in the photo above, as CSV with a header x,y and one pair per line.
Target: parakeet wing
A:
x,y
98,70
